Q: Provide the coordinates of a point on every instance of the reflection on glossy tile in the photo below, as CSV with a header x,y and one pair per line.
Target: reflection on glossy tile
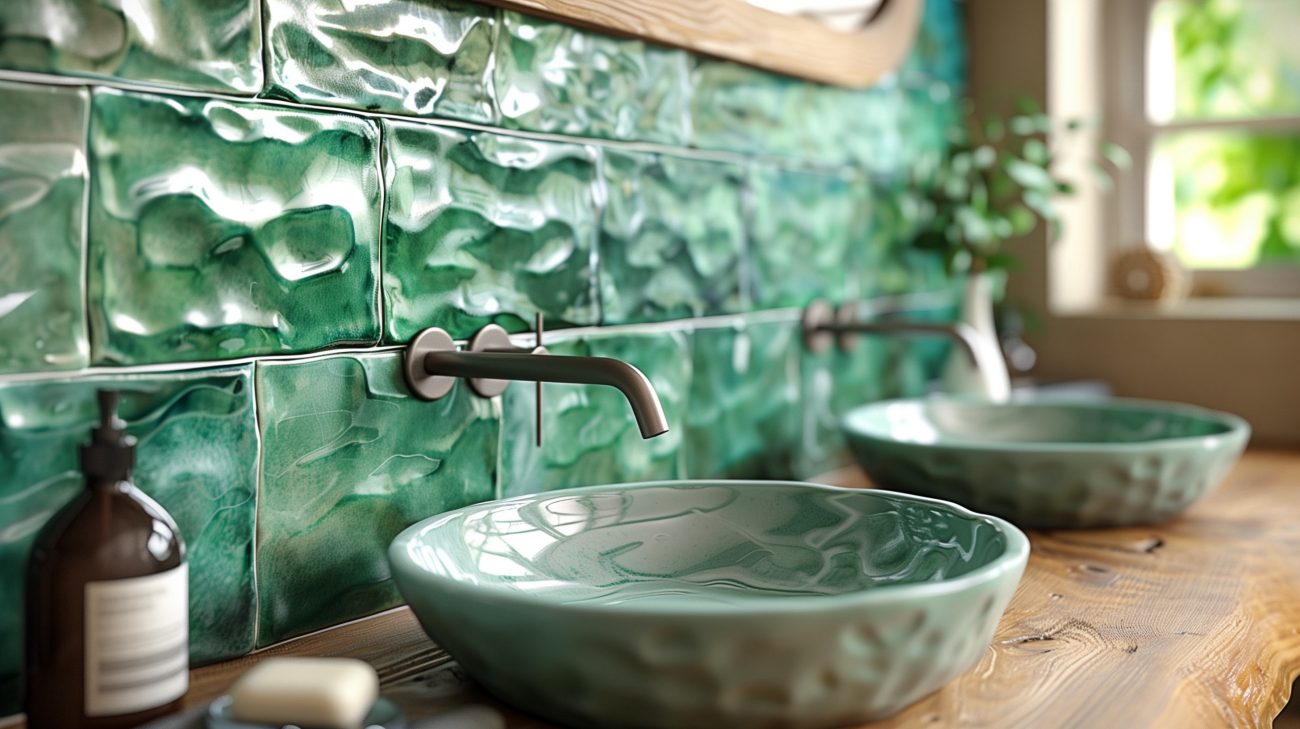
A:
x,y
590,434
485,228
350,459
42,182
807,231
742,109
213,45
420,57
743,415
830,384
220,229
671,238
552,77
877,367
197,456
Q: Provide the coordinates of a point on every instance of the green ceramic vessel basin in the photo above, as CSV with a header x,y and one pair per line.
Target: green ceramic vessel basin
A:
x,y
711,603
1049,465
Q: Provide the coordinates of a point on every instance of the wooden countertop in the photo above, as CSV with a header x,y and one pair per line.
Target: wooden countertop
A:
x,y
1195,623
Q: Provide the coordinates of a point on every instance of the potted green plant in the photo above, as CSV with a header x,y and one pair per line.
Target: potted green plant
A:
x,y
995,181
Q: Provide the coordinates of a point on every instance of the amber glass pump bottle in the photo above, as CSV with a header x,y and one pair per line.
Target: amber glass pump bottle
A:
x,y
107,599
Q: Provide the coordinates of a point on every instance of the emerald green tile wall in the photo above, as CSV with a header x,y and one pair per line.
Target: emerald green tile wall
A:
x,y
589,435
197,456
672,238
552,77
236,211
211,45
398,56
349,459
221,229
42,183
486,228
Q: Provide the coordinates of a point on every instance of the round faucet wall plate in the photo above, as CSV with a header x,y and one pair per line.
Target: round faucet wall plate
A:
x,y
489,338
817,316
846,315
422,384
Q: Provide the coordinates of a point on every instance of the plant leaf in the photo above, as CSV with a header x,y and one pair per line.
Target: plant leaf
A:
x,y
1116,155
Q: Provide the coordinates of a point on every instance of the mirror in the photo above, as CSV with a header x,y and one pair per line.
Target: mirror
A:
x,y
849,43
845,16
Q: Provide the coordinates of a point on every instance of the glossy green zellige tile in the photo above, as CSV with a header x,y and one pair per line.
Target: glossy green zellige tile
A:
x,y
552,77
671,237
350,459
223,229
590,434
419,57
806,232
42,183
743,417
211,45
485,227
738,108
877,367
197,456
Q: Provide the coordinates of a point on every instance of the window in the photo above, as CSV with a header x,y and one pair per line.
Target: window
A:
x,y
1206,95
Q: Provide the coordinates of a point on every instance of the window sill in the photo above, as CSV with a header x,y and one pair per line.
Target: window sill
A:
x,y
1192,309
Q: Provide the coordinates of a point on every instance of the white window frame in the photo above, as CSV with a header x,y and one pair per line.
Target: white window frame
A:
x,y
1125,27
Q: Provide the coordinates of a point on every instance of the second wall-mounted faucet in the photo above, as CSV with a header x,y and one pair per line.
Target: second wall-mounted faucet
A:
x,y
824,325
433,364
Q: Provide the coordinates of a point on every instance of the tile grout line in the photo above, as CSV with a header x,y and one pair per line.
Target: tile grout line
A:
x,y
85,221
877,305
711,155
381,237
258,484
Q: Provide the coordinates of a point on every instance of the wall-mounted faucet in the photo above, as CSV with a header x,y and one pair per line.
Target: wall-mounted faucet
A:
x,y
433,364
824,326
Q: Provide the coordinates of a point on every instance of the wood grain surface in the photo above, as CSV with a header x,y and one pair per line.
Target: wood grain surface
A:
x,y
736,30
1195,623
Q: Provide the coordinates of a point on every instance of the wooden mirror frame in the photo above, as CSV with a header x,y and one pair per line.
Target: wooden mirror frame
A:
x,y
738,31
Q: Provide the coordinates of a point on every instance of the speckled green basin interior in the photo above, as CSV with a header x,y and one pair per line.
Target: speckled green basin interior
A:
x,y
1049,464
711,603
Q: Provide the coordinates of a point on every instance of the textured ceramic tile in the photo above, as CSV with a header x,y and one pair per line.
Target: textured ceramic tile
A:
x,y
742,109
671,237
830,384
350,458
807,231
552,77
590,435
213,45
939,51
421,57
877,367
220,229
485,228
743,418
197,456
42,183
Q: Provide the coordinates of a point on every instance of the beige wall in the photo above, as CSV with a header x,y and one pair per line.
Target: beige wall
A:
x,y
1227,358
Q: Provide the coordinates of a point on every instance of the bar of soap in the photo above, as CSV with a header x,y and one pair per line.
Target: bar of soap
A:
x,y
329,693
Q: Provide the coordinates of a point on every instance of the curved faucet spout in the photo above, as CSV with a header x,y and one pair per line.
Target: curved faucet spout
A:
x,y
629,380
822,325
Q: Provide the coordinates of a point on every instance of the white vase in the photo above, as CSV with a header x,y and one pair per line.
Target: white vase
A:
x,y
979,370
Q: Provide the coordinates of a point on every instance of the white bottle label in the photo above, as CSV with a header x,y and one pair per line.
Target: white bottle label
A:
x,y
137,642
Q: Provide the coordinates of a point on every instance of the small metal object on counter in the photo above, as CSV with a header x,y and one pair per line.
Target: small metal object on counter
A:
x,y
433,363
824,325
